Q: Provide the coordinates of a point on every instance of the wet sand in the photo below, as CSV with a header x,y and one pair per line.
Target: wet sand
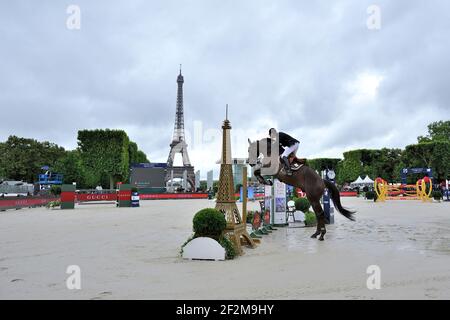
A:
x,y
133,253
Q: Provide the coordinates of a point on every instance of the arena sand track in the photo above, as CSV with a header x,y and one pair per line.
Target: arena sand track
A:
x,y
133,253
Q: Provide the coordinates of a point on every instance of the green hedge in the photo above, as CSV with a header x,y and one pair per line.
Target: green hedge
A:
x,y
310,219
55,190
209,223
437,195
302,204
370,195
250,215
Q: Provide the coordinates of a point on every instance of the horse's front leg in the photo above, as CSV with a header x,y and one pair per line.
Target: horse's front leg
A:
x,y
320,216
261,179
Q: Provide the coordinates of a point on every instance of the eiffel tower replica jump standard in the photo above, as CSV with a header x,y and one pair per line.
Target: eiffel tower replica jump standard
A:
x,y
226,203
178,145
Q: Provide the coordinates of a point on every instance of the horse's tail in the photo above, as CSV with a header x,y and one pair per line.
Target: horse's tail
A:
x,y
337,200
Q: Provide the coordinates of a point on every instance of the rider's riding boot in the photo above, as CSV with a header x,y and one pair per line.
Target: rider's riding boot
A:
x,y
287,166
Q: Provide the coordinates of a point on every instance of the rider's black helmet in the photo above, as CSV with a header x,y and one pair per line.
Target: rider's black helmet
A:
x,y
270,131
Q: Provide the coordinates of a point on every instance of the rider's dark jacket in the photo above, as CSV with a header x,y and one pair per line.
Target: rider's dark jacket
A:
x,y
286,140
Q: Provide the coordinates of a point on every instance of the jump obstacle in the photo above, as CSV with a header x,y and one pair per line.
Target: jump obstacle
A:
x,y
419,191
123,198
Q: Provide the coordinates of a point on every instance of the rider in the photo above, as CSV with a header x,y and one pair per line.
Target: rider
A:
x,y
289,144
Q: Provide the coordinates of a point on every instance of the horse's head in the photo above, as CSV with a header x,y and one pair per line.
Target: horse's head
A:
x,y
268,162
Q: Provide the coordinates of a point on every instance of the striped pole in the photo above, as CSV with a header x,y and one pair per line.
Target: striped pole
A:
x,y
124,197
67,196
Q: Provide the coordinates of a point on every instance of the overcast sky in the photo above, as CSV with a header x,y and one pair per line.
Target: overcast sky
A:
x,y
310,68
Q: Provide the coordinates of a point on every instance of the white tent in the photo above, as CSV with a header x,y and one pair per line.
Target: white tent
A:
x,y
368,181
362,182
357,182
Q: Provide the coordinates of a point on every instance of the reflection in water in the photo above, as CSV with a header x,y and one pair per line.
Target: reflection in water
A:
x,y
300,239
422,239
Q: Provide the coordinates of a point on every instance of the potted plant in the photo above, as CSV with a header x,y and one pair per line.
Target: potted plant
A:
x,y
55,190
310,219
437,195
370,195
211,223
53,204
250,215
302,204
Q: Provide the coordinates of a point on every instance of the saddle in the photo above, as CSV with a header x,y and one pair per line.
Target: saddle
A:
x,y
297,163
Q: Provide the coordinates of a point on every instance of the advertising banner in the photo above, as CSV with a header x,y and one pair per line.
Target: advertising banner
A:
x,y
279,214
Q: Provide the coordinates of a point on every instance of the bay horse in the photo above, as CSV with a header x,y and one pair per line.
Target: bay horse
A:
x,y
303,177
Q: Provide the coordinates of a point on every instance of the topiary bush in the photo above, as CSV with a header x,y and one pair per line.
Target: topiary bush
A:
x,y
310,219
302,204
437,195
55,190
209,223
250,215
370,195
53,204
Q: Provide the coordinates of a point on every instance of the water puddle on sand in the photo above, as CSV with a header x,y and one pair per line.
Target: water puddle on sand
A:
x,y
299,239
422,239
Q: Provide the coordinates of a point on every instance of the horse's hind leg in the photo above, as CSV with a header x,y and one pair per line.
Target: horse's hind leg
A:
x,y
320,216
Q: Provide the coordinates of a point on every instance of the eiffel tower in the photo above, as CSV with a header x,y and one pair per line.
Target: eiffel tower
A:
x,y
226,203
179,145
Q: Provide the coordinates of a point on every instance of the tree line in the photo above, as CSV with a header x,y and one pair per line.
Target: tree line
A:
x,y
103,157
430,151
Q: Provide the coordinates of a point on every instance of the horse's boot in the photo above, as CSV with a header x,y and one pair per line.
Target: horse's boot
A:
x,y
287,166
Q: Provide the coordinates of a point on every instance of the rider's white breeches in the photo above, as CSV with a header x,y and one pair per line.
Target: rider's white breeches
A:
x,y
289,150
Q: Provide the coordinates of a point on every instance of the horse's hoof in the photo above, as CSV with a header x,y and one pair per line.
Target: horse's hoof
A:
x,y
321,239
314,236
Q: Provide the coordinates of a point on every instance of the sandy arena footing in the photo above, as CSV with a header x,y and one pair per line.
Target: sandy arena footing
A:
x,y
133,253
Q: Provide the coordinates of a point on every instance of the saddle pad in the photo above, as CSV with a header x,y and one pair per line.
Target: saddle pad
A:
x,y
296,166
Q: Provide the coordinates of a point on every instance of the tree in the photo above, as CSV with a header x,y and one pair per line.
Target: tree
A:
x,y
320,164
203,185
435,155
136,155
350,168
437,131
141,157
132,152
105,155
71,166
384,164
375,163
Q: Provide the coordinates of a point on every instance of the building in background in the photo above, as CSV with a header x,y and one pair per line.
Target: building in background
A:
x,y
148,177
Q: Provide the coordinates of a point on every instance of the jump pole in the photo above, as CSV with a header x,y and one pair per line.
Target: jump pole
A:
x,y
244,194
67,196
244,201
